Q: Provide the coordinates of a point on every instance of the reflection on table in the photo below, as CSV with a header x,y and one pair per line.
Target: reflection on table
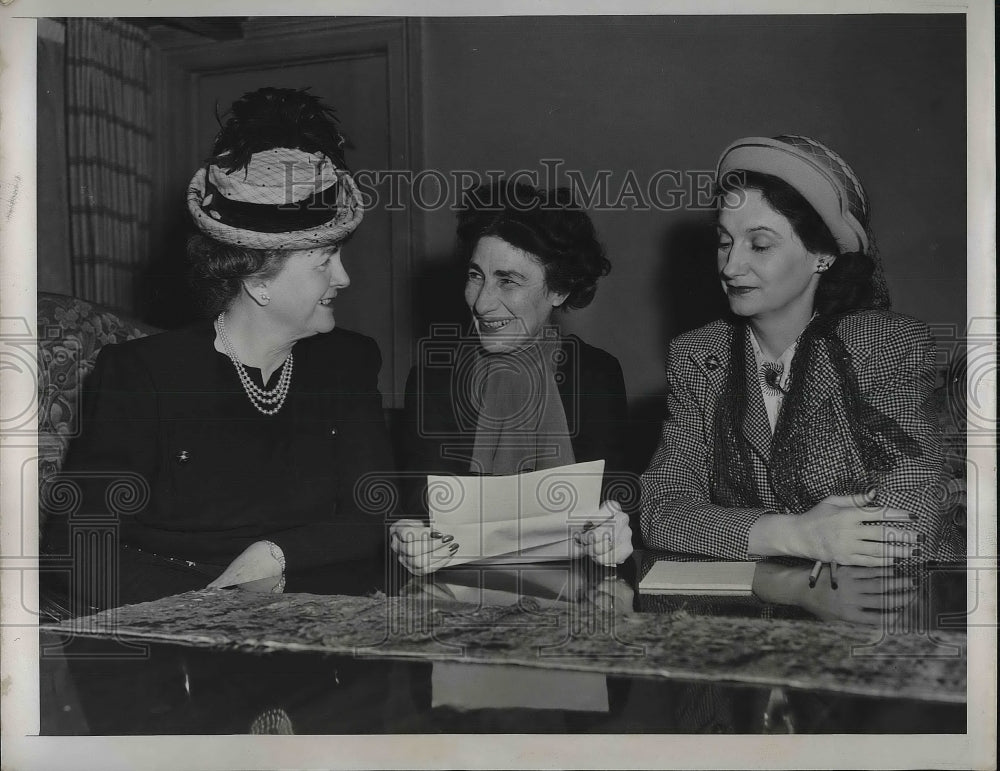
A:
x,y
916,596
560,647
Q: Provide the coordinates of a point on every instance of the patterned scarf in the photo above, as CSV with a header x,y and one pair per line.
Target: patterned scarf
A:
x,y
521,424
734,476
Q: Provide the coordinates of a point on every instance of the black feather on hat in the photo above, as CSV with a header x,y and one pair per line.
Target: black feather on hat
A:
x,y
315,202
277,117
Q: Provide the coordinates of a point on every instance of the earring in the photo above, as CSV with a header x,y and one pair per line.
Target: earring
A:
x,y
822,267
264,299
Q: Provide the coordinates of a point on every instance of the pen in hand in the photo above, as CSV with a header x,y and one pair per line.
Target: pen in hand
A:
x,y
814,575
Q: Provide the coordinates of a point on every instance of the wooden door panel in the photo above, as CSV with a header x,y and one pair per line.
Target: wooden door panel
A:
x,y
368,71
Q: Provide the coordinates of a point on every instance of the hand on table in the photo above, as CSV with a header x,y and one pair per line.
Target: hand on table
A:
x,y
419,548
864,595
609,543
260,560
848,530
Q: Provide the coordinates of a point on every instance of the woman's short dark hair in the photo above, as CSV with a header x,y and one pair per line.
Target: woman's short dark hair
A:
x,y
217,270
548,224
848,284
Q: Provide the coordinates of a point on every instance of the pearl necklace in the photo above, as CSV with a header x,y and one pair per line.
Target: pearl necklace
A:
x,y
266,402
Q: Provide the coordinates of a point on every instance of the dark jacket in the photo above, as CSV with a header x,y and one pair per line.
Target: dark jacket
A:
x,y
174,452
438,434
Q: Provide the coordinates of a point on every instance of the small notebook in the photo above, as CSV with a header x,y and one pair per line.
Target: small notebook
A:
x,y
730,579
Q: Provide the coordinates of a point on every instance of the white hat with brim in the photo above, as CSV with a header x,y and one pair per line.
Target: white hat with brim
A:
x,y
285,198
815,171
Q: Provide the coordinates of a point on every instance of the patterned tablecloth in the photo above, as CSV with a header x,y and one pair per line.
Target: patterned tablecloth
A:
x,y
813,655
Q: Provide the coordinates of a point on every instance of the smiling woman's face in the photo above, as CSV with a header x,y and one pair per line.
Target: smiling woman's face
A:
x,y
505,290
302,292
766,270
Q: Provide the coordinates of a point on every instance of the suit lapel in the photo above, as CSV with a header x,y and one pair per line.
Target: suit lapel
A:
x,y
714,362
756,427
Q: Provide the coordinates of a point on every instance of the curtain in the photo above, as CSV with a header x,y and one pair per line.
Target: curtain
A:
x,y
109,154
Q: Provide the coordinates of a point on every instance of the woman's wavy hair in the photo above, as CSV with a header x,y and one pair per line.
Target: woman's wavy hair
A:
x,y
547,224
216,271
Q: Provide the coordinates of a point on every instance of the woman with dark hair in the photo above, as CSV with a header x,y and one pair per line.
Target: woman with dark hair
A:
x,y
244,435
801,425
516,395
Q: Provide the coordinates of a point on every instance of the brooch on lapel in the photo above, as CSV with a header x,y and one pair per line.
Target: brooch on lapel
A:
x,y
772,374
712,362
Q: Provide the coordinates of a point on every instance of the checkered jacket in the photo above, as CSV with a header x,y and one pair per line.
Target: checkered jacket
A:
x,y
893,357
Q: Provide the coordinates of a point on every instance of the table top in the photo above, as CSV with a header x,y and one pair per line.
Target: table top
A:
x,y
564,647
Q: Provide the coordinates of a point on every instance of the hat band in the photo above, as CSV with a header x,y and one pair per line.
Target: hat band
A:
x,y
811,179
310,212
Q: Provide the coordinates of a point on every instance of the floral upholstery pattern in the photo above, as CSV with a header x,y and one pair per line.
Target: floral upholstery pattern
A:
x,y
70,334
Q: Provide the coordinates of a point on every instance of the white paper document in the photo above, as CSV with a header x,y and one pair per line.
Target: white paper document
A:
x,y
546,586
517,518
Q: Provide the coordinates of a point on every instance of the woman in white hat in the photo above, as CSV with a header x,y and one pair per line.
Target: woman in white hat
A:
x,y
801,425
242,438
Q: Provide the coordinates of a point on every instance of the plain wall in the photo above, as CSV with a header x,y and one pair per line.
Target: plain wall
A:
x,y
652,93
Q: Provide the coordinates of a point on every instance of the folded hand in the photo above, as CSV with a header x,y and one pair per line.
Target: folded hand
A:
x,y
609,543
419,548
850,530
259,560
